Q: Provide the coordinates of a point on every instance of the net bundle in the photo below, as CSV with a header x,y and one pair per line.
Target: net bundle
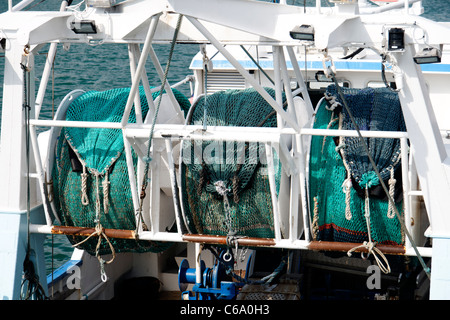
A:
x,y
225,185
90,174
343,185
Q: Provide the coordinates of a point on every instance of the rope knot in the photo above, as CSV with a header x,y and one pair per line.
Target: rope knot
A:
x,y
221,188
332,102
372,249
369,179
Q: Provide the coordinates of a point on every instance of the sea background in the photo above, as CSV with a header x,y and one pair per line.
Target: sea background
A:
x,y
103,67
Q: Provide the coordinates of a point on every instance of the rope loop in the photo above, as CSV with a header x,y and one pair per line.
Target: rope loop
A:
x,y
84,196
99,232
372,249
392,181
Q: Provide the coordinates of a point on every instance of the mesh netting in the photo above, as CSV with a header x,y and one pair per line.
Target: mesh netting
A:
x,y
340,171
100,152
238,169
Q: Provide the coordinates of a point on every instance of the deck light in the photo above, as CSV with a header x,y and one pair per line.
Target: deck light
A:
x,y
303,32
396,40
83,27
428,55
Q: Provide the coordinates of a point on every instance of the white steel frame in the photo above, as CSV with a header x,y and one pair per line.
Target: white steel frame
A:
x,y
137,134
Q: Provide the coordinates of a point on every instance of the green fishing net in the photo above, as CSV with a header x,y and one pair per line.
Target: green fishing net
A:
x,y
100,154
340,172
225,184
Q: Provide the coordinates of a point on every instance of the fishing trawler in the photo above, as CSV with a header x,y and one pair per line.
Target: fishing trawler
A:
x,y
309,162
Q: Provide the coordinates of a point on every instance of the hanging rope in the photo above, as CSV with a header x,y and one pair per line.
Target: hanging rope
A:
x,y
147,158
99,230
31,288
370,245
392,181
84,177
105,185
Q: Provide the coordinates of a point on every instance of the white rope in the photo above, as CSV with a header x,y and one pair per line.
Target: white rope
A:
x,y
97,200
222,190
84,197
315,222
370,245
333,102
105,185
99,231
392,181
346,187
347,184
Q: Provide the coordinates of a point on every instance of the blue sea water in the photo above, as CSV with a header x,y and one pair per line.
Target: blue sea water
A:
x,y
106,67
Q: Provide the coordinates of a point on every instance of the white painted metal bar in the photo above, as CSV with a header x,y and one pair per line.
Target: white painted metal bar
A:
x,y
40,172
354,133
300,80
198,268
432,159
176,106
47,69
293,205
76,124
181,132
12,188
155,191
173,184
251,133
287,83
277,80
22,4
138,73
318,6
303,186
414,201
137,100
132,180
275,207
136,51
406,187
390,6
254,83
175,131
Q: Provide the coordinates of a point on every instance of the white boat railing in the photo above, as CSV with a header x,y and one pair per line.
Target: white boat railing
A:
x,y
137,134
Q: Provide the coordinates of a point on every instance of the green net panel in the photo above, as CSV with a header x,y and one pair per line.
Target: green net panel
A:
x,y
100,153
340,172
239,170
